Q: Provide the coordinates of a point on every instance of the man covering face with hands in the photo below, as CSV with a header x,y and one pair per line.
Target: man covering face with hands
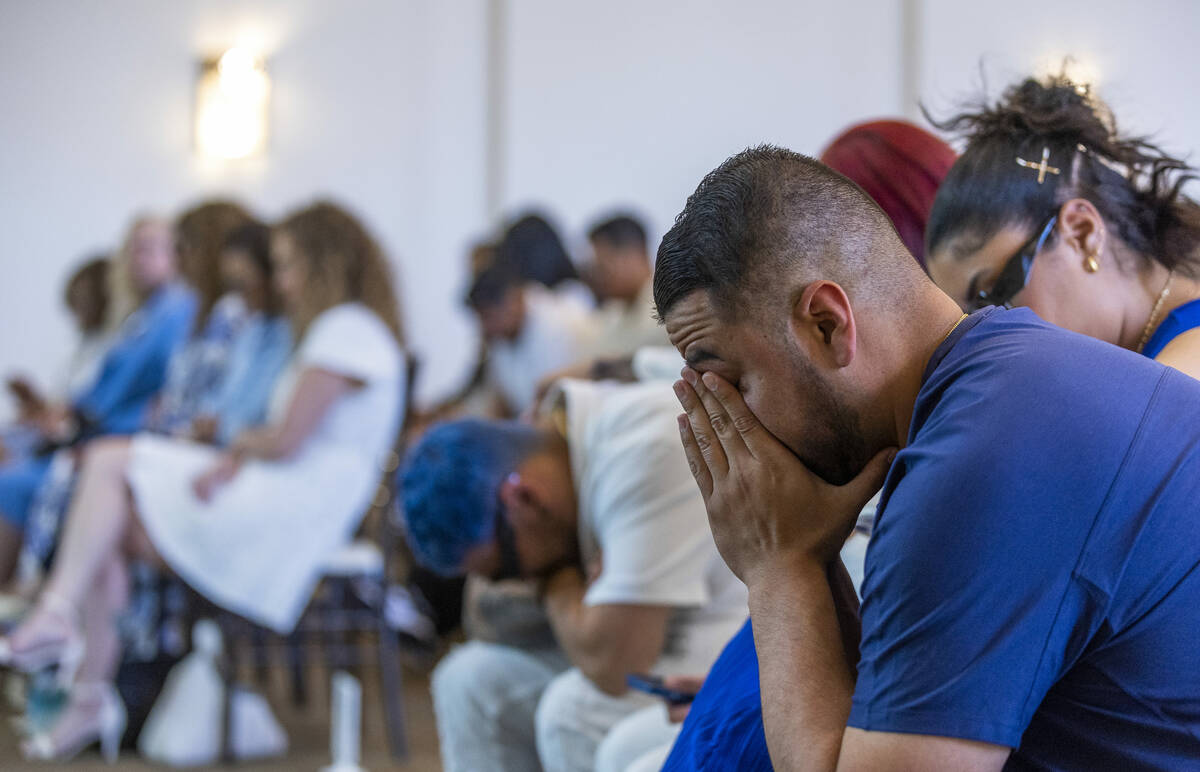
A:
x,y
1031,586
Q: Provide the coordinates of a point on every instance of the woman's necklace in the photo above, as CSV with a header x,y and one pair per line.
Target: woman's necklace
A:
x,y
1152,322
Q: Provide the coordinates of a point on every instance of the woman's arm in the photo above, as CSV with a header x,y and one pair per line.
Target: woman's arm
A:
x,y
316,391
1183,353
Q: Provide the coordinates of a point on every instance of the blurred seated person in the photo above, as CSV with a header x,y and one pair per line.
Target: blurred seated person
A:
x,y
86,298
132,372
218,384
621,277
900,166
199,365
533,248
248,527
529,330
193,369
595,502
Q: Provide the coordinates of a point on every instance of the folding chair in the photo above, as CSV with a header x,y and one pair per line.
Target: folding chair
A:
x,y
348,603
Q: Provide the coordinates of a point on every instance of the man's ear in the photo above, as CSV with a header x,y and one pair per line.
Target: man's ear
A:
x,y
823,324
519,498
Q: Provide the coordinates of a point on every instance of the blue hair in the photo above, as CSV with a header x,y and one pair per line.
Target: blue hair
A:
x,y
450,487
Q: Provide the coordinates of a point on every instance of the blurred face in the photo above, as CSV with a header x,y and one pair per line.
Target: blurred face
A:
x,y
503,320
151,256
288,267
241,274
189,262
85,305
535,528
1056,286
784,390
618,272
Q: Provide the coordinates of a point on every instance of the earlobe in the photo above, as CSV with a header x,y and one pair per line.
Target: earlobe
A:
x,y
1083,228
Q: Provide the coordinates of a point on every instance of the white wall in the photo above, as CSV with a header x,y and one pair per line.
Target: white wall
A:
x,y
629,102
384,105
378,104
1141,56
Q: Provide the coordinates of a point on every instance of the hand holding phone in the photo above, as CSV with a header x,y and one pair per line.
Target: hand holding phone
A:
x,y
652,684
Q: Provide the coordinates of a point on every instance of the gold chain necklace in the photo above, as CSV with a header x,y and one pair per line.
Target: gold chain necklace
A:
x,y
952,329
1152,322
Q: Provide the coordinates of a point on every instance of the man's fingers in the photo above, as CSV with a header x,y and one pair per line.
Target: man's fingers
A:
x,y
859,491
695,458
702,429
745,423
731,441
684,683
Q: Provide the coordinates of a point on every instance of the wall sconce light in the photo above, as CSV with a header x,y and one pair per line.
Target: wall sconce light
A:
x,y
231,105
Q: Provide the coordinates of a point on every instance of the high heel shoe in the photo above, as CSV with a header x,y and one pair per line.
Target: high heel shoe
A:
x,y
109,728
66,652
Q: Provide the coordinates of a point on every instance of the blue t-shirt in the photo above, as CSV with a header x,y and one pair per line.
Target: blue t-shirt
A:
x,y
135,367
1032,580
724,727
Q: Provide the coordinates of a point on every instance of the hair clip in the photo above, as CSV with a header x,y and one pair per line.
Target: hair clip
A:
x,y
1113,166
1042,168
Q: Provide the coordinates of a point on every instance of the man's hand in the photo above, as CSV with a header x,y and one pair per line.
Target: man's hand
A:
x,y
677,711
768,511
605,641
204,429
206,485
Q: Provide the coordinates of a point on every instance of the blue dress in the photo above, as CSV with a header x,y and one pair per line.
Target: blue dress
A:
x,y
256,360
1179,321
197,369
132,373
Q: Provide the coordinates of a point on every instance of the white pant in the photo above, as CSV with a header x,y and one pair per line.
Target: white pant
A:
x,y
505,709
641,741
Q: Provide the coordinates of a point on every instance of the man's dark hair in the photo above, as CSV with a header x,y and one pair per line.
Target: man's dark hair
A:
x,y
533,249
492,284
254,239
622,231
91,278
766,211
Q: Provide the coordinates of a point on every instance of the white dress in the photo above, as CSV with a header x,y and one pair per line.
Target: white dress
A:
x,y
256,548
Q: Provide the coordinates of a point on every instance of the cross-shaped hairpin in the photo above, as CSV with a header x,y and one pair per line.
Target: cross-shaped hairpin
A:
x,y
1042,168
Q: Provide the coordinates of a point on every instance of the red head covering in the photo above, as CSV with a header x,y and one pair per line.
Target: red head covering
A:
x,y
898,164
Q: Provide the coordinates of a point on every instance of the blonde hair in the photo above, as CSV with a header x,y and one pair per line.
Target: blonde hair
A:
x,y
342,264
124,297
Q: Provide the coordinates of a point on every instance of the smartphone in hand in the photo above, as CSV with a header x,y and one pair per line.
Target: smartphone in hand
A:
x,y
652,684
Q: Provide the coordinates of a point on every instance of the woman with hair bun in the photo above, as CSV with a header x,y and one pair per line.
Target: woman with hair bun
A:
x,y
1051,207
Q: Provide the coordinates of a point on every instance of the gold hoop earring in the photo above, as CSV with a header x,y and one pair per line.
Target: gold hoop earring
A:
x,y
1091,264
